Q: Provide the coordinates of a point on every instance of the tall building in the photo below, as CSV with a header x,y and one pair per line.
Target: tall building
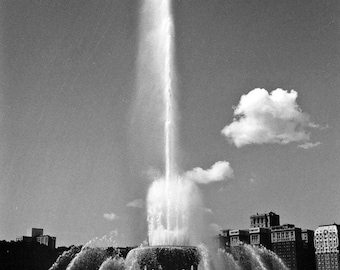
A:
x,y
307,237
264,220
260,237
287,244
326,240
37,232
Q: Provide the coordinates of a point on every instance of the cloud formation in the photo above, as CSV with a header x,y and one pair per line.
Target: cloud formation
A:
x,y
138,203
218,172
308,145
110,216
263,117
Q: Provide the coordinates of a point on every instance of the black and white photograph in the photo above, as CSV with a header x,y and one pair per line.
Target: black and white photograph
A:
x,y
169,134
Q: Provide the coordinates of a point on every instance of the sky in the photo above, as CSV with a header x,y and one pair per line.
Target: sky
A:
x,y
257,87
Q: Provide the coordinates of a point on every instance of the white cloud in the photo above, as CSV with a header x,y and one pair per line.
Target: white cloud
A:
x,y
262,117
110,216
218,172
138,203
308,145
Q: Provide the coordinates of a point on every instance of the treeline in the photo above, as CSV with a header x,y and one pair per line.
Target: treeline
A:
x,y
35,256
27,256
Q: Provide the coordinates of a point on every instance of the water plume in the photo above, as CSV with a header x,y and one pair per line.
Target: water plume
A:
x,y
65,258
89,258
113,263
167,203
170,209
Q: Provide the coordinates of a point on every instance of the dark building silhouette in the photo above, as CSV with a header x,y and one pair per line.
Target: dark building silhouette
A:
x,y
224,239
308,249
26,239
37,232
326,240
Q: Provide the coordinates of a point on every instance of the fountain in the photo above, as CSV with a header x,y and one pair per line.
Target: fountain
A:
x,y
168,202
172,199
163,257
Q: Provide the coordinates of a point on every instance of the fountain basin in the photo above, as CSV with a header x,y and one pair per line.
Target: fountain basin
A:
x,y
164,258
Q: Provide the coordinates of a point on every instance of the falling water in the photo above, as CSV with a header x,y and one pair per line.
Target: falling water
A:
x,y
255,256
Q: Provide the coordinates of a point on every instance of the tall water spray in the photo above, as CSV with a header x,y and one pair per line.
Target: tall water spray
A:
x,y
167,25
168,202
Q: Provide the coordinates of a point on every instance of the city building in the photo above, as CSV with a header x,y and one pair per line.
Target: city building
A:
x,y
264,220
260,237
238,237
37,232
47,240
37,235
224,239
307,237
23,238
294,246
326,241
287,244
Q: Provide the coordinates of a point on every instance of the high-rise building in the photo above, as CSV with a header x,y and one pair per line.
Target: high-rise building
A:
x,y
307,237
287,244
264,220
260,237
37,232
326,241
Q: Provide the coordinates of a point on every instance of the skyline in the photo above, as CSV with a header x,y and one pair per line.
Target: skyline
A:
x,y
74,160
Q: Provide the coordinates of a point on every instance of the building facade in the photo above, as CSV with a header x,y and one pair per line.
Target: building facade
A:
x,y
37,232
264,220
238,237
47,240
307,237
326,241
23,238
224,239
287,244
260,237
